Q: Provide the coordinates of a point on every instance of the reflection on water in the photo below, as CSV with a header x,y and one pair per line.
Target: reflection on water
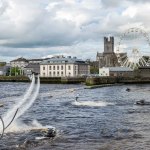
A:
x,y
104,118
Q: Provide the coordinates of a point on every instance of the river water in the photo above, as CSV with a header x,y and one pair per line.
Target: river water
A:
x,y
102,119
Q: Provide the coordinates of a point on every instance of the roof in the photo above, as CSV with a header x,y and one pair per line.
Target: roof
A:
x,y
40,59
33,65
68,60
19,59
122,69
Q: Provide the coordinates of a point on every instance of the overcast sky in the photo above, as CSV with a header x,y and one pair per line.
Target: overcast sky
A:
x,y
38,28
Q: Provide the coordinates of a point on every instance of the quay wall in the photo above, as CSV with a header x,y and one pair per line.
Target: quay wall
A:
x,y
100,80
14,79
113,80
47,80
75,80
63,80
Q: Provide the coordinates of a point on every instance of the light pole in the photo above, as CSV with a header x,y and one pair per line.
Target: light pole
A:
x,y
10,72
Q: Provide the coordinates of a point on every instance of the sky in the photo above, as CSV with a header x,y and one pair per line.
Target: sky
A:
x,y
41,28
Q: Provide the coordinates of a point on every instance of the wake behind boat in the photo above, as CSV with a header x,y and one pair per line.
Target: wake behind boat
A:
x,y
90,103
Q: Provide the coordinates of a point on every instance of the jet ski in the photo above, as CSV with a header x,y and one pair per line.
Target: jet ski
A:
x,y
142,102
1,105
128,90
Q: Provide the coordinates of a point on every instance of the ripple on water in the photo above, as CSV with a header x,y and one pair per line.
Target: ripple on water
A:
x,y
104,118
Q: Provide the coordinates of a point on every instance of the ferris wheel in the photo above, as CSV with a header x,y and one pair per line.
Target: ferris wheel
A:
x,y
133,49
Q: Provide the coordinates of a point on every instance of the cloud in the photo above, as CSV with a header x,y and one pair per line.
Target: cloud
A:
x,y
39,28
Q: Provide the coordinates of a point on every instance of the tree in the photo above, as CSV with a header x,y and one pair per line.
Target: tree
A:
x,y
15,71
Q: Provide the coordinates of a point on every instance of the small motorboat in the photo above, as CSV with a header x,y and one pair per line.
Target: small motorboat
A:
x,y
128,90
142,102
1,105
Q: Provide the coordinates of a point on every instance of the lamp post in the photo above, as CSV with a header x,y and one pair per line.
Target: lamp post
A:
x,y
10,72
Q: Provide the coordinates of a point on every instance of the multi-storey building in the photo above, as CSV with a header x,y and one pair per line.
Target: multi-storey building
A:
x,y
20,62
63,67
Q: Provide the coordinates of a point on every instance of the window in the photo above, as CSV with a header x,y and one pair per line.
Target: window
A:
x,y
44,74
54,73
50,74
69,68
50,67
57,67
61,67
62,73
53,67
43,68
58,73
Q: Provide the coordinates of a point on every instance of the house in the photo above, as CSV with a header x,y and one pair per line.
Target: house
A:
x,y
32,68
116,71
4,70
19,62
64,67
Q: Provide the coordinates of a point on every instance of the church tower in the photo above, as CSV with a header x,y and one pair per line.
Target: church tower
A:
x,y
108,58
109,45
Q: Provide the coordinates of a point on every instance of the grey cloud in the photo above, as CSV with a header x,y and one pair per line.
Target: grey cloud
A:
x,y
32,27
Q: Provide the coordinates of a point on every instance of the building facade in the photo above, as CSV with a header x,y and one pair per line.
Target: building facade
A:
x,y
64,67
32,68
20,62
116,72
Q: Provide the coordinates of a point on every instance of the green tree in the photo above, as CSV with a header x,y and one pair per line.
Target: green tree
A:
x,y
15,71
94,70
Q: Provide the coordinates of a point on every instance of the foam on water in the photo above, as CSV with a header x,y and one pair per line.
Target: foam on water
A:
x,y
19,126
91,103
58,93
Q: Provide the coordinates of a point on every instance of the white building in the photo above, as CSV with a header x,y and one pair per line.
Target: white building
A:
x,y
116,71
103,71
63,67
20,62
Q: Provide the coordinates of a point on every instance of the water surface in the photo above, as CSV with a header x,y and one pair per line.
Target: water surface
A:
x,y
103,119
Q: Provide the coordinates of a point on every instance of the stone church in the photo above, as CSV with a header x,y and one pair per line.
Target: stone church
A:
x,y
108,58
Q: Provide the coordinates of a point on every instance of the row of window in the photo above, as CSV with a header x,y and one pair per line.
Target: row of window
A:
x,y
56,74
56,61
58,67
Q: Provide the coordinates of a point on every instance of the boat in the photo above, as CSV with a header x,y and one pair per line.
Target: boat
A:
x,y
128,90
142,102
1,105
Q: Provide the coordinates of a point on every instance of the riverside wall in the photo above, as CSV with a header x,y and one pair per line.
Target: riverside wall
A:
x,y
112,80
62,80
46,80
14,79
77,80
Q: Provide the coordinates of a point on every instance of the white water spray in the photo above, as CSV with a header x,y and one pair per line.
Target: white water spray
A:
x,y
29,103
91,103
8,116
